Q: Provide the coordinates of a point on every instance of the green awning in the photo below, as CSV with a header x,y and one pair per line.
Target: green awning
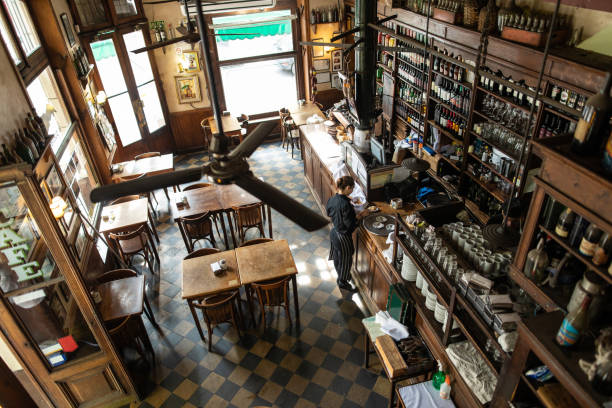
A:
x,y
103,49
249,25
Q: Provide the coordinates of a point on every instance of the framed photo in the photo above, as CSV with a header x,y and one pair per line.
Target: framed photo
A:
x,y
191,62
336,56
188,89
323,77
79,243
317,51
68,29
321,64
336,82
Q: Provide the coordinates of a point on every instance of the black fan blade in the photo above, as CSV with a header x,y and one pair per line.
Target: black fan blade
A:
x,y
253,140
187,38
146,184
281,202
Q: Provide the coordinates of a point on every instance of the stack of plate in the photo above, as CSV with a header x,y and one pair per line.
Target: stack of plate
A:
x,y
439,312
409,269
419,280
431,301
424,288
446,318
331,127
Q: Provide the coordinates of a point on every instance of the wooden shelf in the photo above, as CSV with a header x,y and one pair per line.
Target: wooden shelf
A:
x,y
550,299
449,107
409,105
554,112
504,99
410,84
384,67
570,111
411,65
540,332
451,162
462,83
490,167
488,120
481,216
493,145
601,271
494,191
409,124
445,132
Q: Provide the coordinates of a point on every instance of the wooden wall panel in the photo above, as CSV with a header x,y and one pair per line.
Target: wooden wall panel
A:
x,y
186,128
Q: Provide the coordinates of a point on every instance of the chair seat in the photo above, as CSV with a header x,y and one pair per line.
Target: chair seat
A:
x,y
131,246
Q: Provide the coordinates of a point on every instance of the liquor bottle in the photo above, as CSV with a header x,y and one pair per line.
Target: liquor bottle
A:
x,y
35,132
574,324
590,240
593,123
555,92
41,125
602,251
10,158
30,143
565,223
23,150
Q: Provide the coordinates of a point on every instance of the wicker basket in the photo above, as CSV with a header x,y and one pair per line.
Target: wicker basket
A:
x,y
483,15
470,13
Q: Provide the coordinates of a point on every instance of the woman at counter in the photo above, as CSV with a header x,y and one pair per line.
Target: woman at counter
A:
x,y
344,219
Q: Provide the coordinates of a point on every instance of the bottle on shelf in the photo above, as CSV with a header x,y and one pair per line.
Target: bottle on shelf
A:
x,y
574,324
30,143
603,249
439,377
592,126
23,151
565,223
590,240
606,160
445,389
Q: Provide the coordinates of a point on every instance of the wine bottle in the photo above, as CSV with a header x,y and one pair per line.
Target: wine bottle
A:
x,y
574,324
589,240
602,251
41,125
10,158
23,150
30,143
593,123
565,223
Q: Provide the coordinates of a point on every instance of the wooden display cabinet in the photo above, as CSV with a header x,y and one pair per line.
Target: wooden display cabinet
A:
x,y
577,183
44,298
92,15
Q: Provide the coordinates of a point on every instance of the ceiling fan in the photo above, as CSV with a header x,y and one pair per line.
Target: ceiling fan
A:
x,y
189,35
225,167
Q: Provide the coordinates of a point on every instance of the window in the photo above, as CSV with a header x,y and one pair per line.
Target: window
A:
x,y
258,67
23,25
48,103
8,40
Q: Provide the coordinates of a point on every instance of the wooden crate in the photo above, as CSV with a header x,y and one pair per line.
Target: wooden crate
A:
x,y
448,16
533,39
391,358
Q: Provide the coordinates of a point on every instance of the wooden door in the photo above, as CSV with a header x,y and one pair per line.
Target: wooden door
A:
x,y
362,263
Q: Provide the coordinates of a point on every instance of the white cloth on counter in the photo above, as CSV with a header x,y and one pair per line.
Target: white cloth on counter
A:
x,y
391,326
314,119
473,370
388,254
508,341
423,395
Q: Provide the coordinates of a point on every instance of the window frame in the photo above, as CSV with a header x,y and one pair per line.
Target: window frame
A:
x,y
296,54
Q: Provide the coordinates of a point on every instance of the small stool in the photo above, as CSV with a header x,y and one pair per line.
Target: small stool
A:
x,y
373,331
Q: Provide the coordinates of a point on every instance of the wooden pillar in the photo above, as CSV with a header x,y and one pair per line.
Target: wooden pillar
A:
x,y
53,42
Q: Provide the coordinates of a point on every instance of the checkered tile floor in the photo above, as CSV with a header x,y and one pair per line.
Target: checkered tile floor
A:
x,y
317,365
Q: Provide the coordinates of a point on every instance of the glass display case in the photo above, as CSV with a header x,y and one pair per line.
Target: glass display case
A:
x,y
95,14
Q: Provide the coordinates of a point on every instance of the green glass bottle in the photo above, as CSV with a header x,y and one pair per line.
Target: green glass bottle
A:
x,y
438,378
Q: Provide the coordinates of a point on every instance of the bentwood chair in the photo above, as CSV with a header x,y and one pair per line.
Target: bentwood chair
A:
x,y
292,135
283,113
217,309
135,243
196,228
195,186
202,252
117,274
151,225
256,241
247,217
154,154
273,293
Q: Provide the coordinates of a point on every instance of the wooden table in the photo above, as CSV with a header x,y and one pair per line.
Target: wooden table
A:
x,y
128,216
300,114
150,165
217,198
231,126
198,279
266,261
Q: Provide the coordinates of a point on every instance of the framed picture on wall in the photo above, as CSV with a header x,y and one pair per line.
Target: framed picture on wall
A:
x,y
336,57
336,82
188,88
320,64
323,77
317,51
67,29
191,62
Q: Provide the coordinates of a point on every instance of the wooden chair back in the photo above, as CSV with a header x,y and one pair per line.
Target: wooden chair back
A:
x,y
273,293
125,199
201,252
147,154
131,242
196,186
249,215
217,308
132,177
256,241
115,275
197,226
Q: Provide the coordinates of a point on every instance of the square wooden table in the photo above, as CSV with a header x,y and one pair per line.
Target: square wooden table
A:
x,y
300,114
231,126
149,165
121,298
199,281
266,261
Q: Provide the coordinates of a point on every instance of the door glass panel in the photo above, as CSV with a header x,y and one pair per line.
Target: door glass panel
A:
x,y
91,12
143,74
23,25
109,68
125,8
274,86
33,285
8,40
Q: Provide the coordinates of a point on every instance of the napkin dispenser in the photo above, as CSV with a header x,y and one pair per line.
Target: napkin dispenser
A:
x,y
218,268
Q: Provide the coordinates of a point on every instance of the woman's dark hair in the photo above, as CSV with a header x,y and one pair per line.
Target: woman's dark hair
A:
x,y
345,181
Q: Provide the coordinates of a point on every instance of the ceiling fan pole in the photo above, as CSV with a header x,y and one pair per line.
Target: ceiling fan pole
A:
x,y
212,88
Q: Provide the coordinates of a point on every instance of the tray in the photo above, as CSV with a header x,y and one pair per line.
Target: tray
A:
x,y
371,223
